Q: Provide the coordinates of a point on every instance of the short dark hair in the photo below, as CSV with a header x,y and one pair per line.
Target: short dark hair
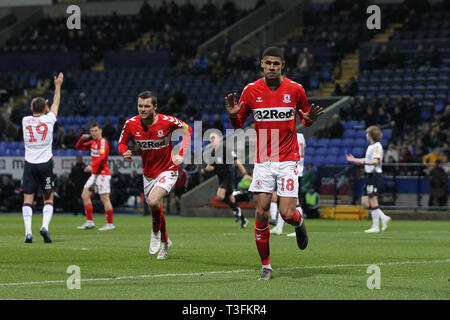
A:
x,y
147,95
273,52
38,105
94,123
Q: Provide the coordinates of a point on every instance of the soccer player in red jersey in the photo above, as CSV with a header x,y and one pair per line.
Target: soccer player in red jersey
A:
x,y
100,176
275,101
152,133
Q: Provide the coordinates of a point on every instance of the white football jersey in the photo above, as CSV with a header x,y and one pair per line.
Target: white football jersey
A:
x,y
374,151
38,137
301,150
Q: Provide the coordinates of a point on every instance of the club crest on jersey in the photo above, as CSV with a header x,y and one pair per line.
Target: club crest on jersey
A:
x,y
287,98
138,134
160,133
259,99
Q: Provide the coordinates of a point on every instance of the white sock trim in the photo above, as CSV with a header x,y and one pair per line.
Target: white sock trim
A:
x,y
273,210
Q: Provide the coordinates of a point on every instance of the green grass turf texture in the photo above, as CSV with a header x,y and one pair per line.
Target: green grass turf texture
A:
x,y
332,267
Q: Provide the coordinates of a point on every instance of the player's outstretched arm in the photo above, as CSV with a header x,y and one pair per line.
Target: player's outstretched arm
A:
x,y
351,158
238,111
312,115
231,105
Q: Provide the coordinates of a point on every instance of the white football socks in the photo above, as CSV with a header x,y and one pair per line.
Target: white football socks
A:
x,y
273,210
280,222
375,218
27,213
47,214
381,214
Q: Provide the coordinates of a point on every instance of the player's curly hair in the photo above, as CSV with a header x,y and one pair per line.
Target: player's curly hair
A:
x,y
375,133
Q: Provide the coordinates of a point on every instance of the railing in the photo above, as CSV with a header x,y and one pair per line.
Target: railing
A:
x,y
398,190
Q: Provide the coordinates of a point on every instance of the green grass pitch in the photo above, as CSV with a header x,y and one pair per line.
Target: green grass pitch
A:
x,y
212,258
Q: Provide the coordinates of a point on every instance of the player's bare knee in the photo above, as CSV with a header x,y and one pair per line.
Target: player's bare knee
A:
x,y
262,214
153,202
85,196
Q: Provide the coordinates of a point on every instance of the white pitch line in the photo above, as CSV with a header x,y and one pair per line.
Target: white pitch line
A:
x,y
226,272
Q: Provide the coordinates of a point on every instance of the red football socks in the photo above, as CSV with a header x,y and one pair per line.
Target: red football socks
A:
x,y
294,219
89,210
109,216
159,223
262,234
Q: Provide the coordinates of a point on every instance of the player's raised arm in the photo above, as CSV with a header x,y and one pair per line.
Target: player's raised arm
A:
x,y
309,117
238,111
57,97
82,144
231,105
185,141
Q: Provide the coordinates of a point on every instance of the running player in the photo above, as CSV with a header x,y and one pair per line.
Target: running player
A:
x,y
38,170
275,101
372,166
152,133
100,176
278,230
225,174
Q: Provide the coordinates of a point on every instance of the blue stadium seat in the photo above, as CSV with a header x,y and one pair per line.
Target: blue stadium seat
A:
x,y
347,143
359,124
348,124
330,159
318,160
349,133
312,143
322,143
332,151
334,143
438,106
360,134
340,160
425,114
360,143
358,152
387,133
321,151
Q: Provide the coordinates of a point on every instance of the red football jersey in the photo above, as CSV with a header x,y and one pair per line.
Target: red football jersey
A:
x,y
274,115
99,154
154,142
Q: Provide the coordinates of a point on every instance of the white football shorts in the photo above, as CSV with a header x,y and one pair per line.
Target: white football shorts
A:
x,y
101,183
281,176
165,180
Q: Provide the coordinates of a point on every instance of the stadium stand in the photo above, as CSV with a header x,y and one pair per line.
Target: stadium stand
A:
x,y
407,77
